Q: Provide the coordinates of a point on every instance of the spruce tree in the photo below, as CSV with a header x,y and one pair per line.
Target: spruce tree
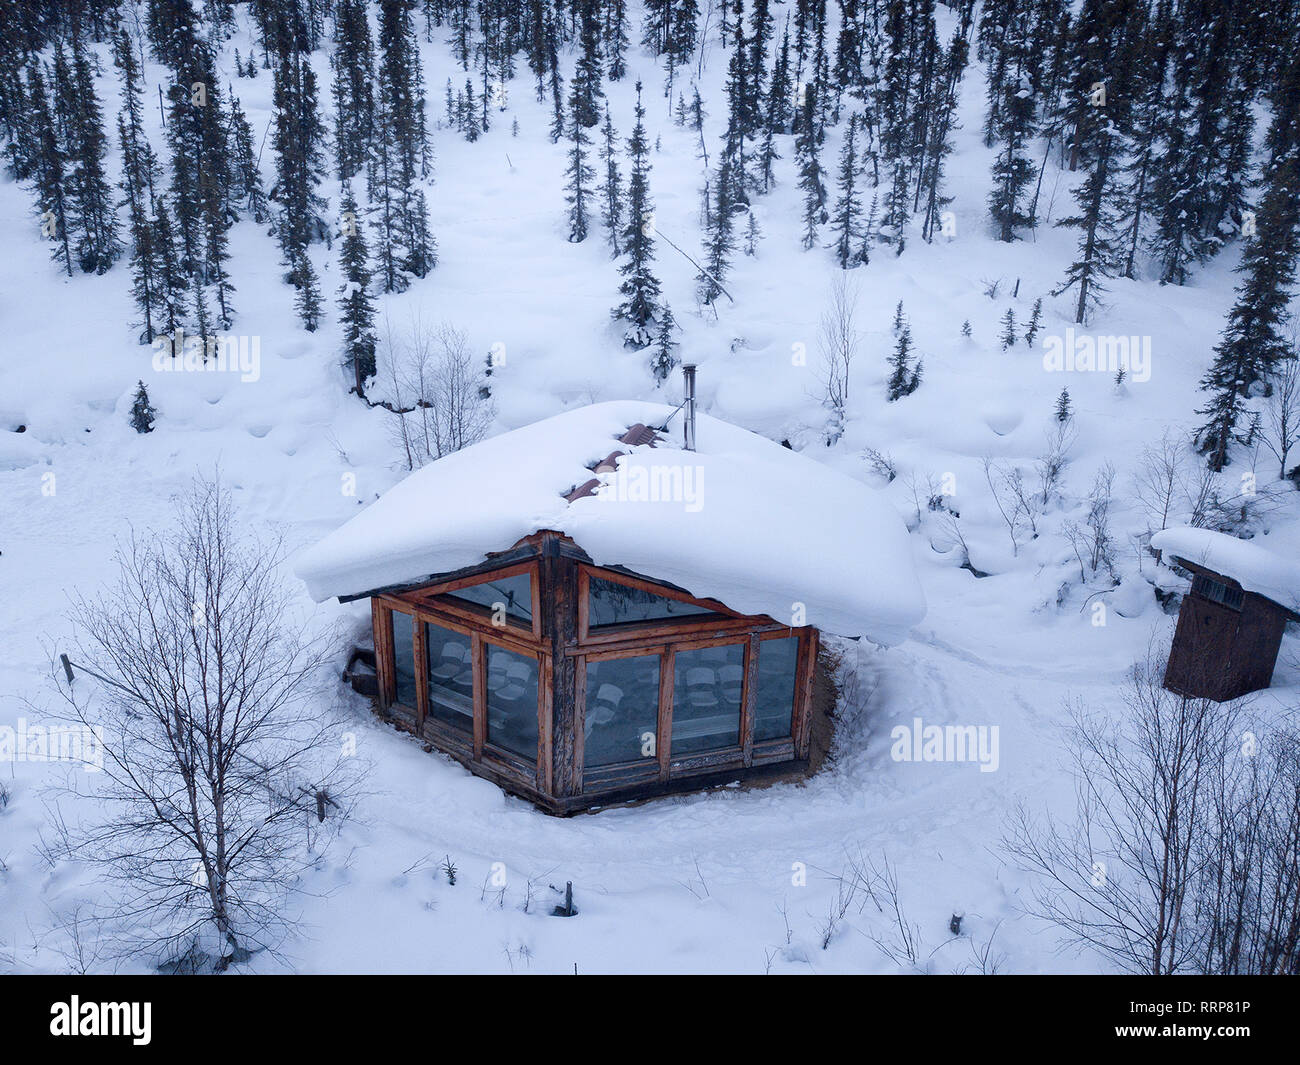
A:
x,y
720,239
578,189
139,162
143,414
612,188
299,170
904,378
401,152
846,215
356,306
88,197
200,181
586,94
1035,320
48,171
811,181
173,279
1097,257
1008,329
247,191
1012,170
664,359
1063,411
939,140
616,39
1253,341
354,102
752,233
640,286
138,171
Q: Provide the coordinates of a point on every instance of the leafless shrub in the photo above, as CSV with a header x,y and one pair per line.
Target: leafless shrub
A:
x,y
1007,486
214,752
702,890
1210,506
1051,464
950,530
521,953
1281,426
991,287
839,905
839,341
83,944
901,944
1092,542
1121,878
924,492
882,463
1159,479
493,892
987,959
440,398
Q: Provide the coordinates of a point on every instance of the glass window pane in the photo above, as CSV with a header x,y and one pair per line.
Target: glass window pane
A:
x,y
512,702
774,706
622,716
514,594
451,677
706,698
612,603
404,655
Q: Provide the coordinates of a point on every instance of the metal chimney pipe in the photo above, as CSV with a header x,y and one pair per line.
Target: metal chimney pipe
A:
x,y
688,425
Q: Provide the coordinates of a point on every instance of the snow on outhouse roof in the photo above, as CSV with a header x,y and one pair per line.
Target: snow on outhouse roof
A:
x,y
741,519
1255,568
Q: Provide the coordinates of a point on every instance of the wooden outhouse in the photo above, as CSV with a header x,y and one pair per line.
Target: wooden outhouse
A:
x,y
1231,621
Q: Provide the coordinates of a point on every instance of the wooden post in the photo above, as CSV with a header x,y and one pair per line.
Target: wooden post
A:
x,y
749,699
559,594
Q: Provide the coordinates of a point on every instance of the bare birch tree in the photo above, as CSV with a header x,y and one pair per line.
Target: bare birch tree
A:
x,y
218,763
441,401
839,341
1122,877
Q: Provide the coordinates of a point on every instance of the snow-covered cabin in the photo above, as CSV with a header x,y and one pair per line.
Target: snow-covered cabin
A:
x,y
1230,624
585,612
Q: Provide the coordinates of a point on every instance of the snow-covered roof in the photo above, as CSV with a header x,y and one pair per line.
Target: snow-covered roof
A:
x,y
741,519
1255,568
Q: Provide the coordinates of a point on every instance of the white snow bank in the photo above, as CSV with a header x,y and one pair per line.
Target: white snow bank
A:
x,y
1255,568
741,520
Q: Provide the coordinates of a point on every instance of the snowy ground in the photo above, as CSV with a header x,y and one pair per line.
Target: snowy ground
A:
x,y
681,885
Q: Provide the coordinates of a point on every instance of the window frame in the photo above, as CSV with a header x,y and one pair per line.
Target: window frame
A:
x,y
561,640
436,596
722,619
640,770
744,754
780,748
536,774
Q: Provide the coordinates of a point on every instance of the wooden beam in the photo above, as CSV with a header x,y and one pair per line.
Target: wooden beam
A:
x,y
749,699
665,737
382,629
477,652
421,672
559,589
802,724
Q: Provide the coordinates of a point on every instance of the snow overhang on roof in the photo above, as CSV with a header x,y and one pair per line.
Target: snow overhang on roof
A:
x,y
741,520
1255,568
